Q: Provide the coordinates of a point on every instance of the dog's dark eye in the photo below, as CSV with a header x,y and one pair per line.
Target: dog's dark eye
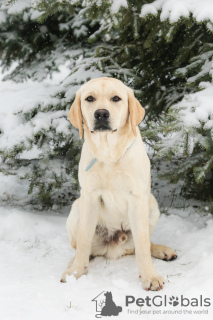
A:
x,y
116,99
90,99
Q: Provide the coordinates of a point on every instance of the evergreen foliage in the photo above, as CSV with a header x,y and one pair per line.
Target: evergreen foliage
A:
x,y
41,48
168,64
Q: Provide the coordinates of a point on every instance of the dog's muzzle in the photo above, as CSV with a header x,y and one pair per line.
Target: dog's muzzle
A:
x,y
101,120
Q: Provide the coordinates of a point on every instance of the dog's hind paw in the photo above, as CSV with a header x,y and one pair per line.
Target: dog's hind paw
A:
x,y
163,252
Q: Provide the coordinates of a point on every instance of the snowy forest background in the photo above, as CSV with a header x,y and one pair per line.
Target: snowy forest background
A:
x,y
163,50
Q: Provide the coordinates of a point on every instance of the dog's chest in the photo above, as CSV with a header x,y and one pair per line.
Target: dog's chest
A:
x,y
110,178
111,187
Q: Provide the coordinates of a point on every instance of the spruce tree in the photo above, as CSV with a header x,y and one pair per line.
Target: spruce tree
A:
x,y
188,129
166,60
41,47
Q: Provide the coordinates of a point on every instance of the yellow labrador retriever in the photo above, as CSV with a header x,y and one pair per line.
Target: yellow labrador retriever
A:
x,y
116,212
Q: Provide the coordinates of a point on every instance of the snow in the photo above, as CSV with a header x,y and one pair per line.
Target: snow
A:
x,y
35,251
26,96
12,189
198,107
117,4
56,119
174,9
31,154
35,14
3,16
13,98
18,6
195,114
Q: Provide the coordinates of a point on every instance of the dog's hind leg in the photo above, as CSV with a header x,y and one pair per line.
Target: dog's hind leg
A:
x,y
129,252
158,251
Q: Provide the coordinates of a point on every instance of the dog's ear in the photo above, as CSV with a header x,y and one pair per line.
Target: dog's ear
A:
x,y
136,111
75,115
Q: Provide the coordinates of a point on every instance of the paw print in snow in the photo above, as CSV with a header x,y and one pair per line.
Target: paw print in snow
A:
x,y
173,301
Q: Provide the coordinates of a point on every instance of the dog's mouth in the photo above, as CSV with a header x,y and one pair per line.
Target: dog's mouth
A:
x,y
103,130
102,127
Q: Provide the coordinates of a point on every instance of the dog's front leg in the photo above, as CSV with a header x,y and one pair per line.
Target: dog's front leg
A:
x,y
138,211
89,208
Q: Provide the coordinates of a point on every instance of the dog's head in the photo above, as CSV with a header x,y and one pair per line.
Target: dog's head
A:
x,y
105,104
108,295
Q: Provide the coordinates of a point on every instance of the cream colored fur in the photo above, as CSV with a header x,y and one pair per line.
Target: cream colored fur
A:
x,y
115,191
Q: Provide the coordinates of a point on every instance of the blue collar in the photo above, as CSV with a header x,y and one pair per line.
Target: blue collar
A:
x,y
90,165
94,160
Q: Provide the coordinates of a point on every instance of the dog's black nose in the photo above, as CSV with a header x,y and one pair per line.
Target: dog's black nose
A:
x,y
101,114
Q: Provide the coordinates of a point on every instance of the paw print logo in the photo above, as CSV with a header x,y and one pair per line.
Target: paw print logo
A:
x,y
173,301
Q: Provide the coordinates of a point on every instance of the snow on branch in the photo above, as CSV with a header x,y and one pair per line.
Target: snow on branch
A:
x,y
175,9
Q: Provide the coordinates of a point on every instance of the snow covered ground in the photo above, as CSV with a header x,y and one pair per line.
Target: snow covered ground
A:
x,y
35,251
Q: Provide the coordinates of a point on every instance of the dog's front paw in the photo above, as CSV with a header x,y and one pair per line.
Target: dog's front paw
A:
x,y
76,270
152,282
